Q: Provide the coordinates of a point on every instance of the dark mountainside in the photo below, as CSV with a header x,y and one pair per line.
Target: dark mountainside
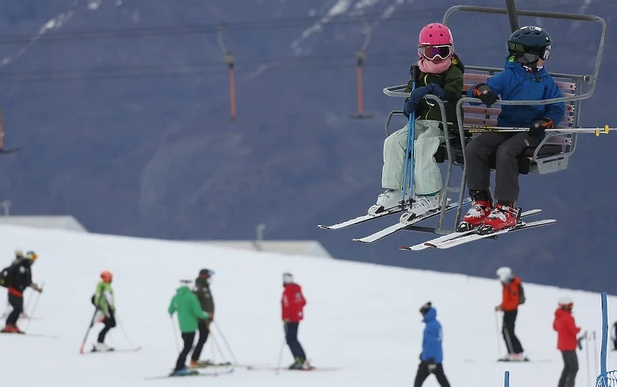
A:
x,y
130,132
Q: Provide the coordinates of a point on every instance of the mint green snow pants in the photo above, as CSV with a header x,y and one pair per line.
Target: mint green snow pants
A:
x,y
427,176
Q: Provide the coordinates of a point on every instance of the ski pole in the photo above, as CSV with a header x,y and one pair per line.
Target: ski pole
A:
x,y
124,332
411,132
497,333
587,338
278,365
595,352
233,357
215,343
36,301
498,129
173,327
81,349
24,312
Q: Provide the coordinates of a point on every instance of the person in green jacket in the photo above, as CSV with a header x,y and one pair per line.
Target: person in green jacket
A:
x,y
202,291
105,304
186,304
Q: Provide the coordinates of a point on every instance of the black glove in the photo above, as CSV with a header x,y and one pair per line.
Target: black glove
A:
x,y
412,103
537,128
579,342
486,95
431,365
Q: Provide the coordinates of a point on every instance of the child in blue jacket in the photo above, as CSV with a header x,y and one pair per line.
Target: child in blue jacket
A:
x,y
523,78
432,352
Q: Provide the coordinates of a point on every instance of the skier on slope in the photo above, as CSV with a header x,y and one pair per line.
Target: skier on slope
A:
x,y
189,311
19,255
292,304
432,351
524,78
18,279
511,298
104,301
566,340
439,72
203,293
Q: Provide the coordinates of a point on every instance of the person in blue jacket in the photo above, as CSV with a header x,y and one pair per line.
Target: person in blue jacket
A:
x,y
432,353
524,78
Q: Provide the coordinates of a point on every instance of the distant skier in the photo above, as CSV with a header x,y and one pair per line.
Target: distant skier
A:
x,y
293,303
202,291
189,311
566,341
104,301
432,352
511,299
3,281
439,72
18,279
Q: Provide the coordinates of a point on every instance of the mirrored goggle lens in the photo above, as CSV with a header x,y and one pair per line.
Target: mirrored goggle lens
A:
x,y
431,52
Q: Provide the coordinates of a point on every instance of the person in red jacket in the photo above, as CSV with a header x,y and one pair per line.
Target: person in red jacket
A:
x,y
509,305
292,304
566,341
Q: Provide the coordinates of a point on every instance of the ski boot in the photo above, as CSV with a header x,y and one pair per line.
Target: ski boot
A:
x,y
101,347
386,201
481,208
503,216
11,329
420,205
186,371
201,363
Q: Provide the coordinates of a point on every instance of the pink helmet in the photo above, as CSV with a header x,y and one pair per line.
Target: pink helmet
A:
x,y
435,34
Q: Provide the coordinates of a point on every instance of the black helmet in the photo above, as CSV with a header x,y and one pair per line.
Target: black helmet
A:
x,y
530,40
425,308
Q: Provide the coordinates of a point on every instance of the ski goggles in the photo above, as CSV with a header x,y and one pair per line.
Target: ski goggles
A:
x,y
432,52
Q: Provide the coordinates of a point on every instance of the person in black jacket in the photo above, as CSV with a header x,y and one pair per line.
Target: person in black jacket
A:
x,y
19,279
202,290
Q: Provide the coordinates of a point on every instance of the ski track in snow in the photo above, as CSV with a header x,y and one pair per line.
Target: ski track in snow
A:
x,y
339,8
52,24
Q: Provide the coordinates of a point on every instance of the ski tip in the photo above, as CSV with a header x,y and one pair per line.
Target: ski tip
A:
x,y
361,240
323,227
404,248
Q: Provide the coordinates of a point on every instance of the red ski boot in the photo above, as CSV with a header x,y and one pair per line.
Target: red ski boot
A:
x,y
502,216
479,211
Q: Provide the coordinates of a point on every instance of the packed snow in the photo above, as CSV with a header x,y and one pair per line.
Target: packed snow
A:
x,y
361,319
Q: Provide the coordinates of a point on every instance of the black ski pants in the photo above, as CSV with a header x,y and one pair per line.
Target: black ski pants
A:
x,y
509,147
110,322
204,330
291,336
424,372
188,339
512,343
18,306
570,368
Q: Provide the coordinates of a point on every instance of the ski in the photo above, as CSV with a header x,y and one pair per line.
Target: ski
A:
x,y
199,374
268,368
401,225
454,235
136,349
211,365
32,335
475,236
8,151
373,213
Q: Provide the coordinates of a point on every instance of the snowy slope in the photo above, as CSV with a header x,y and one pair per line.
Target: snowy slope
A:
x,y
362,318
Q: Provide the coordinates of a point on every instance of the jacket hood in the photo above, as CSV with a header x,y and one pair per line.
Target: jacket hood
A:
x,y
182,290
291,286
562,312
431,315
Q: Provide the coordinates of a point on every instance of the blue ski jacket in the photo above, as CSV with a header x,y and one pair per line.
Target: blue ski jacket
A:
x,y
431,343
516,83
